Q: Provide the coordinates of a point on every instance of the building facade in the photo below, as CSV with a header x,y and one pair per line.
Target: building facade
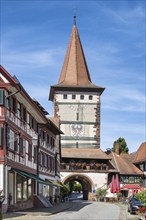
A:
x,y
29,161
140,161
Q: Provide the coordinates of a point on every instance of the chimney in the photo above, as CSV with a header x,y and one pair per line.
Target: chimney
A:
x,y
117,149
108,151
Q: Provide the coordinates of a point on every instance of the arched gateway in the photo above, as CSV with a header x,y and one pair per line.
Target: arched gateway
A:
x,y
77,105
84,180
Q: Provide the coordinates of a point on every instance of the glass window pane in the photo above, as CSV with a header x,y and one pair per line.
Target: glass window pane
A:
x,y
19,187
64,96
29,188
73,96
82,97
24,188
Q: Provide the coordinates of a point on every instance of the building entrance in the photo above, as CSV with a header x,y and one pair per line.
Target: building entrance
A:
x,y
85,182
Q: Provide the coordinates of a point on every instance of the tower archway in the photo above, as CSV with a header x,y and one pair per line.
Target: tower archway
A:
x,y
84,180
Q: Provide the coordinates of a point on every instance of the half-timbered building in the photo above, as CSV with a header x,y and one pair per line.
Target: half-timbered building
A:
x,y
29,161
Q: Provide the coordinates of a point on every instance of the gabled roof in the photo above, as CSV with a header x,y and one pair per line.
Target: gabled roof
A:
x,y
75,73
40,107
140,155
83,153
124,165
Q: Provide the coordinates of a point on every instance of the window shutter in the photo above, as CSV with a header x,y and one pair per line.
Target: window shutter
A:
x,y
21,146
16,142
30,151
9,101
0,136
1,97
8,137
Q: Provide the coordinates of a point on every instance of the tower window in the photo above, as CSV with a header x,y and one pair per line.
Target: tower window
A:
x,y
64,96
82,97
90,97
73,96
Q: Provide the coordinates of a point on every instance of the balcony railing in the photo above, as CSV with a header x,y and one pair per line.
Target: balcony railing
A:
x,y
84,166
20,123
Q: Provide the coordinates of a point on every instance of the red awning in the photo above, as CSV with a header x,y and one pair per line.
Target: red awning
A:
x,y
131,186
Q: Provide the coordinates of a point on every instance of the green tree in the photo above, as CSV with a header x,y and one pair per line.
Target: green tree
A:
x,y
71,185
64,191
77,187
122,145
141,196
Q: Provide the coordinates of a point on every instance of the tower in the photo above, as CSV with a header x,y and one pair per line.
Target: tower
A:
x,y
76,99
77,103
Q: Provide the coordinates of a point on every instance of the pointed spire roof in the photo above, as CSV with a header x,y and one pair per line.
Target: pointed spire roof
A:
x,y
75,73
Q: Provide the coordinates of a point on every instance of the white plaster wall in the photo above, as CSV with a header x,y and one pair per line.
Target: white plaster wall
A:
x,y
59,96
98,179
4,79
86,113
1,176
11,185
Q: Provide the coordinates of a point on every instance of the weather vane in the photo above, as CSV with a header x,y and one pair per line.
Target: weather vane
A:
x,y
75,11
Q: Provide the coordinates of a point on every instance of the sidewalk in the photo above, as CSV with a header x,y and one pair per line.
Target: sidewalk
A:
x,y
37,213
124,214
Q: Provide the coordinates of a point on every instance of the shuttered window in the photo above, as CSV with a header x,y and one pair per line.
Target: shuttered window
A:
x,y
35,154
30,152
9,102
21,146
1,97
0,136
10,138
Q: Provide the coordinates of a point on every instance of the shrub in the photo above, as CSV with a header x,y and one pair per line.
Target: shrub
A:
x,y
64,191
101,193
141,196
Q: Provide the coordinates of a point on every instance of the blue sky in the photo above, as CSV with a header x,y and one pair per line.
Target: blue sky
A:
x,y
34,38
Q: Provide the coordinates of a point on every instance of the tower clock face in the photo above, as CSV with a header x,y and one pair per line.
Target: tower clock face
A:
x,y
77,130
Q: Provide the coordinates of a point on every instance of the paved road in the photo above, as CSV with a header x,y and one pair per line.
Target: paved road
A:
x,y
87,210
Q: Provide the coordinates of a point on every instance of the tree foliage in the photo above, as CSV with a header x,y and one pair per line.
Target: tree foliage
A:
x,y
122,145
75,186
141,196
101,193
64,191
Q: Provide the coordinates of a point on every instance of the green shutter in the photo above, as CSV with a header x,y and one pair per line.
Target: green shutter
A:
x,y
0,135
9,101
8,137
1,97
21,145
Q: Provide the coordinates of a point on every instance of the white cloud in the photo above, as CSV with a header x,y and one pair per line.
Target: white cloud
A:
x,y
32,58
126,16
124,99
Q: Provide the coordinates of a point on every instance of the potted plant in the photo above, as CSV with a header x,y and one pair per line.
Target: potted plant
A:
x,y
101,193
83,164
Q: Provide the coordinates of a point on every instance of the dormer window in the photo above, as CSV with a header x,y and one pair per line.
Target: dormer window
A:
x,y
65,96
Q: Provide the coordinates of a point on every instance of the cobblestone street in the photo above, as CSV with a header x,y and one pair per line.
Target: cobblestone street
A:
x,y
77,209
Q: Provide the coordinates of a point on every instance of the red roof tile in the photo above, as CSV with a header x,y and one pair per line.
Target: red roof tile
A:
x,y
140,154
83,153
